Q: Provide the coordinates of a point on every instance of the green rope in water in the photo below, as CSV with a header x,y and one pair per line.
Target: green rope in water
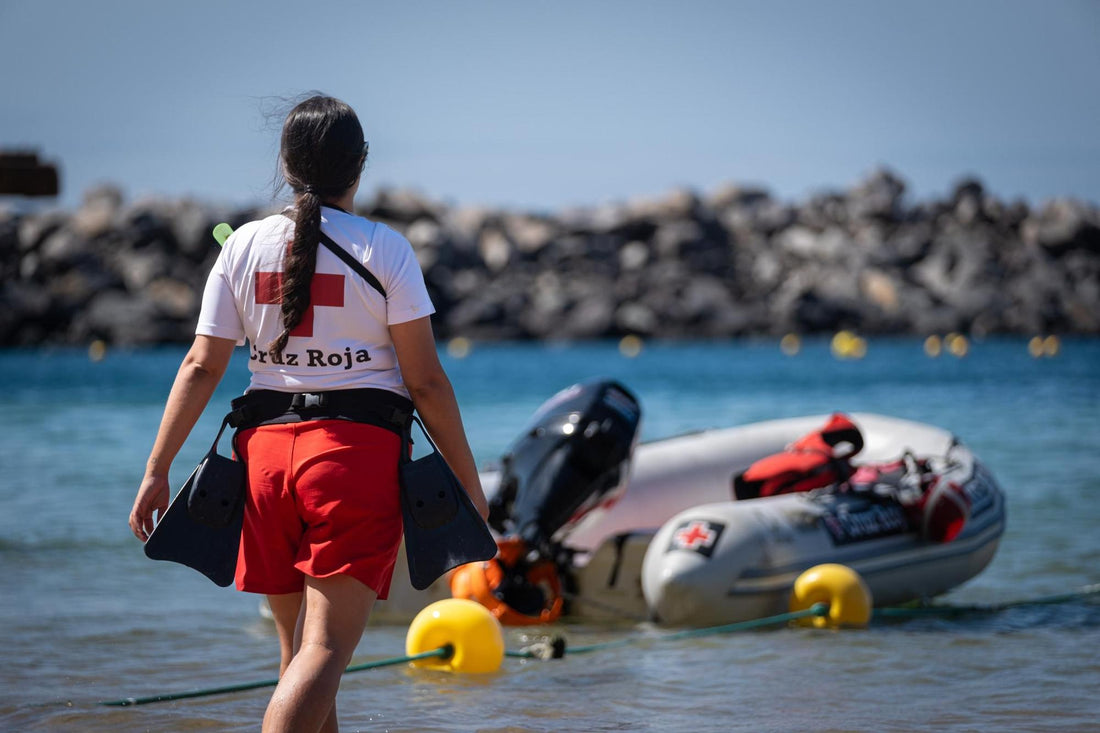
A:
x,y
547,650
818,609
959,610
442,652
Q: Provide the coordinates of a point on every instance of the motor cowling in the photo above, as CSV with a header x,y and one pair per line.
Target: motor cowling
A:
x,y
573,457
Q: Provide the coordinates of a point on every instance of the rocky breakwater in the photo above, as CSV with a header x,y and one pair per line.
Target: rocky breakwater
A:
x,y
734,262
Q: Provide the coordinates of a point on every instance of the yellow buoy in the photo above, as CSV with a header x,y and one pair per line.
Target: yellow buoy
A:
x,y
1035,347
97,350
459,347
790,344
957,344
467,627
630,346
841,343
933,346
848,596
1051,346
846,345
859,348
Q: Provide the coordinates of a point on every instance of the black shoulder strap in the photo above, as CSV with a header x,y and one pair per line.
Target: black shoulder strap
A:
x,y
352,263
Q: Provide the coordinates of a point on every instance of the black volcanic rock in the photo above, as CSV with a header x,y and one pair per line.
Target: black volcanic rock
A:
x,y
734,262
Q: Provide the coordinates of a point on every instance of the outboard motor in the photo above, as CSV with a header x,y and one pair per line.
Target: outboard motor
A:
x,y
574,456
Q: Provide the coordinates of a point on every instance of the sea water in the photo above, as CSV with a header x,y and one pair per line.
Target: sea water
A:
x,y
85,617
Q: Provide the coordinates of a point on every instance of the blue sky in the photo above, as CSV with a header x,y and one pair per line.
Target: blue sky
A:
x,y
547,105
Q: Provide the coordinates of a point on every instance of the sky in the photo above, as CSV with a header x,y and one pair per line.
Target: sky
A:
x,y
549,105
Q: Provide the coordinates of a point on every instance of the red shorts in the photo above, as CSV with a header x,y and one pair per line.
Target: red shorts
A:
x,y
322,501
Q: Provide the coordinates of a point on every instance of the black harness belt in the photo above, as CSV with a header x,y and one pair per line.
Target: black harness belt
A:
x,y
378,407
442,527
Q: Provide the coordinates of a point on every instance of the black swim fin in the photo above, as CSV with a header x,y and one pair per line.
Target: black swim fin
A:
x,y
179,538
442,527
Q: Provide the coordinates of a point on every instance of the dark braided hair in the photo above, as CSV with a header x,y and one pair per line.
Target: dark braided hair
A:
x,y
322,152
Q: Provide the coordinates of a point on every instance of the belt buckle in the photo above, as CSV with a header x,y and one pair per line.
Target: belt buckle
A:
x,y
308,401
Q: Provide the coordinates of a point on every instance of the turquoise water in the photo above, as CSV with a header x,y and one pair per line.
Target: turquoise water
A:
x,y
86,617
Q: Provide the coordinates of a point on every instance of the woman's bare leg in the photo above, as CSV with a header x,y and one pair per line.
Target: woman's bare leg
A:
x,y
287,612
333,613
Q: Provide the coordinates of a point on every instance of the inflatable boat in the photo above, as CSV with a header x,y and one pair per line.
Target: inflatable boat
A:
x,y
592,525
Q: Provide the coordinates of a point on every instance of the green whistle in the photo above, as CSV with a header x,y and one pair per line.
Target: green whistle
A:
x,y
222,232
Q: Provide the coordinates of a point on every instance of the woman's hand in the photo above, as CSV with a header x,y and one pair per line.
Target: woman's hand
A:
x,y
152,496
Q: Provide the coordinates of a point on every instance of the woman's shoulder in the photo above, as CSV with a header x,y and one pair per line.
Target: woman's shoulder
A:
x,y
255,237
377,233
273,224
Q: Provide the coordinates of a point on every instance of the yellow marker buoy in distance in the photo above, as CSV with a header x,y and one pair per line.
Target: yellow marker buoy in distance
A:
x,y
790,344
459,347
839,586
1039,346
933,346
846,345
468,627
97,350
841,343
630,346
957,344
1035,347
859,348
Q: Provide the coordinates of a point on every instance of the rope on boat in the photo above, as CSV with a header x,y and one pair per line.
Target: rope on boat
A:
x,y
442,652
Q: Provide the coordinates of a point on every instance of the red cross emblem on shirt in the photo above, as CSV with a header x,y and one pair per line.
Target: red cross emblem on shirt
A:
x,y
697,535
324,290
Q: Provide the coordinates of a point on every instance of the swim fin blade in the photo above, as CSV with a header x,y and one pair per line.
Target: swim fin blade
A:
x,y
179,538
442,527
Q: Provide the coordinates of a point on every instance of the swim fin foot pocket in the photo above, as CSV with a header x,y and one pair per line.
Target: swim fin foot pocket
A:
x,y
218,487
443,529
179,537
202,527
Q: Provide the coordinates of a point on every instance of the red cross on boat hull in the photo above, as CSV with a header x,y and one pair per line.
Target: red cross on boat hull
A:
x,y
697,535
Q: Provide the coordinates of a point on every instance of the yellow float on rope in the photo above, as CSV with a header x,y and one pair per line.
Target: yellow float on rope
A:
x,y
848,596
467,627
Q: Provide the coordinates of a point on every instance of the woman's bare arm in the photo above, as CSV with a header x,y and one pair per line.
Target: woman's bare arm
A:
x,y
434,398
199,374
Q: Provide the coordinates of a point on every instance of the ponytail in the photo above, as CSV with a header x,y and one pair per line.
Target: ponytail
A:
x,y
322,152
298,266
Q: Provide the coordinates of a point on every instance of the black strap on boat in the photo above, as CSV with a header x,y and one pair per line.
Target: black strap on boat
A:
x,y
378,407
353,263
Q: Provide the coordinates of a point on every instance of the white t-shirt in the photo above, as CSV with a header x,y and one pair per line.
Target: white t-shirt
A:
x,y
343,340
